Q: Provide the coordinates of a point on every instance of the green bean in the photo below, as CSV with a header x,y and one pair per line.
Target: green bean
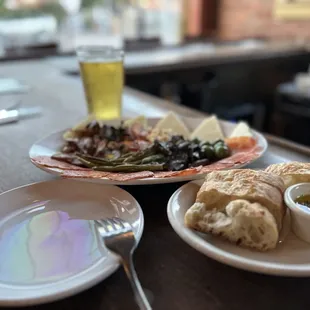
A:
x,y
93,159
153,159
130,168
95,162
139,155
85,162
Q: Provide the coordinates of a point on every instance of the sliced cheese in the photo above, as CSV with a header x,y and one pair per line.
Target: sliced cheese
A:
x,y
241,130
208,131
172,122
139,119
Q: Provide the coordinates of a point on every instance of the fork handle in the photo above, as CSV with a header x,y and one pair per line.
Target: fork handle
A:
x,y
139,294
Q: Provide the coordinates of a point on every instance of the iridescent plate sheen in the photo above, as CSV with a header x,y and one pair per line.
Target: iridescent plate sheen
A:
x,y
48,243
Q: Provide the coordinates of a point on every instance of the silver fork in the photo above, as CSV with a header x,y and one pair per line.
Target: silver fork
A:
x,y
119,238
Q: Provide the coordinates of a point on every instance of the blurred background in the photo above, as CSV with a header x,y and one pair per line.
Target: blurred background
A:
x,y
245,59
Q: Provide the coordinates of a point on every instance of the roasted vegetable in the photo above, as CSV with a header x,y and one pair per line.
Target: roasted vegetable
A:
x,y
116,149
130,168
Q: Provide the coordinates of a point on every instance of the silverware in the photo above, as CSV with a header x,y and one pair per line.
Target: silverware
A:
x,y
119,238
12,116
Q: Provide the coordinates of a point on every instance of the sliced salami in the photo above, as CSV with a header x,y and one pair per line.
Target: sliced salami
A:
x,y
122,177
47,161
186,172
241,155
84,174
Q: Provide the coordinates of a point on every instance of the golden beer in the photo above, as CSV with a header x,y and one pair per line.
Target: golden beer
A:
x,y
102,73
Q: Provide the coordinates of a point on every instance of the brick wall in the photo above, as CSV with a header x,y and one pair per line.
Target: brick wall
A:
x,y
240,19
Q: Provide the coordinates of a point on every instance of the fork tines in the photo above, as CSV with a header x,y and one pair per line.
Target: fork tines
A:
x,y
113,224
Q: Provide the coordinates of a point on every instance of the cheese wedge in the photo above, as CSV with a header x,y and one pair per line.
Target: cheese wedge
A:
x,y
208,131
173,122
241,130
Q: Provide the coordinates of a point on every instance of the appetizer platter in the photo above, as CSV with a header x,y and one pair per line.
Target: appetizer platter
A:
x,y
239,217
147,151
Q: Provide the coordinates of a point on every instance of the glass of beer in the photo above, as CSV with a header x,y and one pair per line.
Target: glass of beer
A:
x,y
102,72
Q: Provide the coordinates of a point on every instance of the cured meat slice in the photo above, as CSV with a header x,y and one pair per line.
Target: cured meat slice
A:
x,y
84,174
47,161
182,173
90,174
239,156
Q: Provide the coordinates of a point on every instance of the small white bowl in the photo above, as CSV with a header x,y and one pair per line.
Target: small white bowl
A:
x,y
300,215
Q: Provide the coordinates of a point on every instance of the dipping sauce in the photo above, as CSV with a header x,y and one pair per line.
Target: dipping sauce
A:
x,y
303,200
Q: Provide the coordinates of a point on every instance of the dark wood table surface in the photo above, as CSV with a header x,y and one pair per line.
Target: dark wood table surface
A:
x,y
176,276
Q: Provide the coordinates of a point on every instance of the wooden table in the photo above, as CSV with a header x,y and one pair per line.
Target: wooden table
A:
x,y
177,276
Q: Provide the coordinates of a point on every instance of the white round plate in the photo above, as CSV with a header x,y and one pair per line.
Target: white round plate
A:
x,y
53,143
48,242
290,258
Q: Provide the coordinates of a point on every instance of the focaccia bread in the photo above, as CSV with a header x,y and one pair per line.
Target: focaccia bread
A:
x,y
243,206
241,222
291,173
246,175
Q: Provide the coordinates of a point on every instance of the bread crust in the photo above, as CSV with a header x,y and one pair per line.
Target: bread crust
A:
x,y
291,173
236,175
221,187
242,205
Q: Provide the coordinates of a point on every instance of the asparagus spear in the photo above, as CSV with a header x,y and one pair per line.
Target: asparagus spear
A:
x,y
153,159
130,168
85,162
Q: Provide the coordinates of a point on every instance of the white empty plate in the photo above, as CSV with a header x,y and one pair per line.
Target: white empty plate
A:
x,y
48,243
290,258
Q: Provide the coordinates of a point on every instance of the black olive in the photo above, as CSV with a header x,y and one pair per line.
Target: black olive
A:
x,y
190,154
200,162
161,148
171,146
208,151
183,145
176,165
196,156
222,151
176,139
181,157
194,147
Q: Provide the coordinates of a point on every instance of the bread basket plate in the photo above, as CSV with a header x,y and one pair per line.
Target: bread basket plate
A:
x,y
289,258
52,143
